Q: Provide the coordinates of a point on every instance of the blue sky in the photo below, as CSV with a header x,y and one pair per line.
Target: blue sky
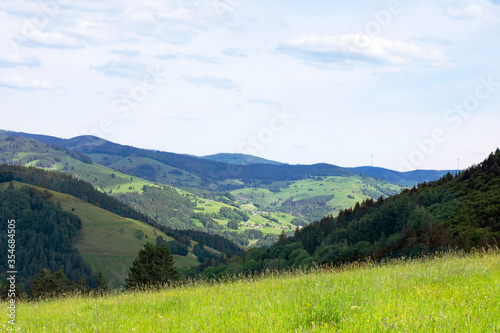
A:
x,y
416,84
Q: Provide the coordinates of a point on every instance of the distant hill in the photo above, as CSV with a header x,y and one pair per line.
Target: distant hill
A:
x,y
186,170
106,241
454,212
240,159
44,235
105,221
409,178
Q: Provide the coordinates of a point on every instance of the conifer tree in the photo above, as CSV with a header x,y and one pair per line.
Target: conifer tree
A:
x,y
154,266
102,282
44,285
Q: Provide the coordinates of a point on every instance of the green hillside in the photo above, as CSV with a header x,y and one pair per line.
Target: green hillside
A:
x,y
29,152
36,234
453,212
454,292
129,188
149,169
215,212
315,197
109,242
239,159
108,233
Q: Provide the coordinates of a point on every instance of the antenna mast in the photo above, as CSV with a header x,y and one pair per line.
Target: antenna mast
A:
x,y
372,161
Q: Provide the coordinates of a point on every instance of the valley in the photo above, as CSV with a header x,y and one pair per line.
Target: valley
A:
x,y
287,205
252,213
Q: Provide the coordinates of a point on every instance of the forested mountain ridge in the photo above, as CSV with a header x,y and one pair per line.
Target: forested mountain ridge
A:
x,y
212,173
61,224
173,208
64,183
461,211
239,159
43,234
272,206
408,178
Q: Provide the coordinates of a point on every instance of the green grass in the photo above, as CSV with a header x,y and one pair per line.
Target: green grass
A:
x,y
102,177
360,188
163,171
454,292
107,241
210,206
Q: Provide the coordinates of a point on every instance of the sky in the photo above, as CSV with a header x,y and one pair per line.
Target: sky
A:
x,y
398,84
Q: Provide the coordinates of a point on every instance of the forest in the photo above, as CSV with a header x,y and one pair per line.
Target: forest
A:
x,y
459,211
44,234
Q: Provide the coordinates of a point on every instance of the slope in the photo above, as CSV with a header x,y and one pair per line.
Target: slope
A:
x,y
29,152
128,189
454,292
108,242
453,212
314,197
239,159
213,172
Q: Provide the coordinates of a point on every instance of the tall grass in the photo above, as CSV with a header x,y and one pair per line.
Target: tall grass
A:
x,y
450,292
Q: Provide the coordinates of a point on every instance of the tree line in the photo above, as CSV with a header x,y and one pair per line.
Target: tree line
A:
x,y
456,211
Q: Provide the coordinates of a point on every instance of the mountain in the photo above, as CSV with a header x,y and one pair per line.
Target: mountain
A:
x,y
105,241
43,235
275,197
186,170
454,212
312,198
408,178
240,159
65,214
170,207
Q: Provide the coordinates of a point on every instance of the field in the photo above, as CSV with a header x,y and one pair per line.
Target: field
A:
x,y
109,242
210,206
158,171
345,192
103,178
451,292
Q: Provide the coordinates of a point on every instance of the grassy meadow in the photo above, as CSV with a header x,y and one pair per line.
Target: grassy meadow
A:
x,y
164,174
108,242
358,187
447,293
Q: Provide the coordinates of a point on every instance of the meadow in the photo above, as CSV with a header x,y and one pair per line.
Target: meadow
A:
x,y
443,293
346,190
109,242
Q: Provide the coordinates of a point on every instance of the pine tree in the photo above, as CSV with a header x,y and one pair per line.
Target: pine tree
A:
x,y
154,266
282,238
82,285
102,282
44,285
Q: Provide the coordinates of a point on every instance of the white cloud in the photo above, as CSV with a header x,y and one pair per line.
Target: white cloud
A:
x,y
37,38
202,58
139,16
181,14
472,11
211,81
126,53
361,48
128,69
180,118
18,82
234,52
16,59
